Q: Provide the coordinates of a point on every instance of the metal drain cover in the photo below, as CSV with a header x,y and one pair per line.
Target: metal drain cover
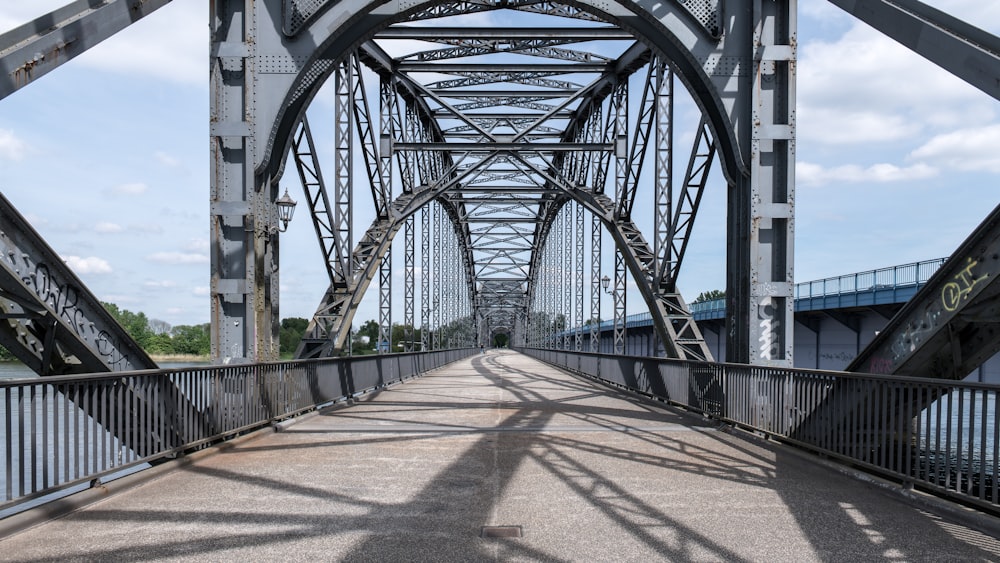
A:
x,y
501,532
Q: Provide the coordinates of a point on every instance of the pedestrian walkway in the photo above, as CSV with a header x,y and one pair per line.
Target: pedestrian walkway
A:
x,y
502,443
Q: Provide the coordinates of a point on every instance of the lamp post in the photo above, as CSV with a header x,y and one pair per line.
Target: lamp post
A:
x,y
286,208
605,282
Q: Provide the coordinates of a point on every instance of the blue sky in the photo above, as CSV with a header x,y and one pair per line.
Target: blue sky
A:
x,y
897,161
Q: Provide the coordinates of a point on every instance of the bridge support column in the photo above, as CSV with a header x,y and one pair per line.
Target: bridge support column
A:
x,y
244,246
761,282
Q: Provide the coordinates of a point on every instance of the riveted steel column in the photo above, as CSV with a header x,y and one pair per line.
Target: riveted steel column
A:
x,y
241,203
437,258
386,111
620,111
343,167
408,284
619,301
595,283
663,184
425,277
772,184
579,274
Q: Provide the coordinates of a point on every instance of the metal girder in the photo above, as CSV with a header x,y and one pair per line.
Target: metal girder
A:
x,y
663,182
379,178
50,320
34,49
409,283
343,167
504,33
618,295
966,51
695,180
498,146
643,128
671,319
952,325
311,176
266,92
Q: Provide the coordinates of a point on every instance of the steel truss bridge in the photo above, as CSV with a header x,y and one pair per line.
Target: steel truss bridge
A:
x,y
499,161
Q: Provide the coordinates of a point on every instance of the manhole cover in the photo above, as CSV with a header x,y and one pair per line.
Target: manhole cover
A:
x,y
501,532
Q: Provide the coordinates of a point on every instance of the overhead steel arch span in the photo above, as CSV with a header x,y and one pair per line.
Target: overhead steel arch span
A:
x,y
490,130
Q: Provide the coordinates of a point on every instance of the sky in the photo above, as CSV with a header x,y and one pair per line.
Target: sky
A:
x,y
107,156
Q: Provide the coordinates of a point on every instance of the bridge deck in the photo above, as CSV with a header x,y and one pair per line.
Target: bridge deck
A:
x,y
416,471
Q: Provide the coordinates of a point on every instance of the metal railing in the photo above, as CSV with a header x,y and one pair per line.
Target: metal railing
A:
x,y
905,275
902,276
59,432
941,436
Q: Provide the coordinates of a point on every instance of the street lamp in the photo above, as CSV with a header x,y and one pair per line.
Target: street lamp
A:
x,y
605,282
286,208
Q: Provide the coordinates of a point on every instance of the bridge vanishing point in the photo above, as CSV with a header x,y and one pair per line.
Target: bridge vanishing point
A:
x,y
496,159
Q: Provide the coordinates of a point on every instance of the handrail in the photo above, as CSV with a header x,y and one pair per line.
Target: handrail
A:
x,y
913,274
64,431
938,435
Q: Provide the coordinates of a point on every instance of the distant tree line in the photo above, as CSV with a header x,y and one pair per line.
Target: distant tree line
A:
x,y
158,337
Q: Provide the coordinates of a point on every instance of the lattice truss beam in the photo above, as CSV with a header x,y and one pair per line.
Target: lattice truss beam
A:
x,y
491,146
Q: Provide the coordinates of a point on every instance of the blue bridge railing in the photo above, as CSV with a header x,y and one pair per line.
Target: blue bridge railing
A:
x,y
896,284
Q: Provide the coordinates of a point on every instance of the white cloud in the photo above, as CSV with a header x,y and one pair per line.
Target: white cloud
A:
x,y
135,188
842,126
167,159
865,87
11,147
88,265
809,174
170,44
965,149
153,284
150,228
105,227
201,291
197,245
178,258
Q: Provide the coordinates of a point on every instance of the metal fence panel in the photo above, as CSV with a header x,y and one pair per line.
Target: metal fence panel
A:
x,y
940,435
63,431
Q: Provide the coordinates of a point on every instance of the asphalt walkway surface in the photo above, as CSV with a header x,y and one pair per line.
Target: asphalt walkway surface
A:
x,y
502,443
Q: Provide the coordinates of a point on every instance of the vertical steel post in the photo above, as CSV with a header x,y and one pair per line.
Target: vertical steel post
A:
x,y
343,166
771,201
244,249
620,110
566,248
408,283
425,277
664,195
619,301
595,283
579,274
437,258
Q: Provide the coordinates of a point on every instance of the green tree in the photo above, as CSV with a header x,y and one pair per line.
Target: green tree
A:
x,y
188,339
400,337
135,324
290,334
709,296
369,329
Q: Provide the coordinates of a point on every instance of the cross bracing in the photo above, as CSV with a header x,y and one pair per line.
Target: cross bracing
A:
x,y
430,107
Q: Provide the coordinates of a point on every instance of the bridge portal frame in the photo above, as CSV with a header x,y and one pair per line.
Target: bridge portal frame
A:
x,y
269,57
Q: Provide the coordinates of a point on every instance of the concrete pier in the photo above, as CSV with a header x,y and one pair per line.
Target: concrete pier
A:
x,y
502,445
